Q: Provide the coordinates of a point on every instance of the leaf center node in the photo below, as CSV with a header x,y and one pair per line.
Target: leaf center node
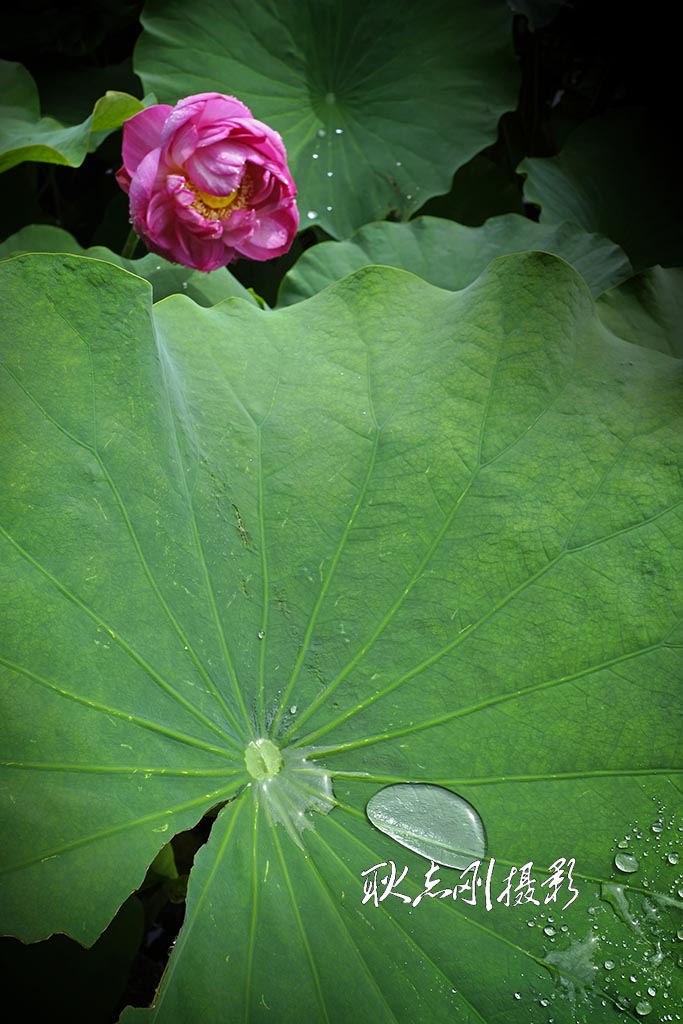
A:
x,y
263,759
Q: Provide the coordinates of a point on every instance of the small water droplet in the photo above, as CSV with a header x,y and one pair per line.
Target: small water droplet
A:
x,y
316,156
293,709
330,174
518,995
398,163
260,634
549,931
329,209
311,214
643,1008
184,285
626,863
679,934
623,844
652,991
338,131
321,133
657,827
673,858
609,965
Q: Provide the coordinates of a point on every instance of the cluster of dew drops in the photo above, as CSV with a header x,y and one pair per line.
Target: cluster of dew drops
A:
x,y
634,973
323,134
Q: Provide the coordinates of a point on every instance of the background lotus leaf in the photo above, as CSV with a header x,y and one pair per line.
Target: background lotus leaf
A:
x,y
648,309
378,105
166,278
451,255
619,175
25,135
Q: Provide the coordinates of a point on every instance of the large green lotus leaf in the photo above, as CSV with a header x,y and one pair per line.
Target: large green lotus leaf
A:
x,y
647,309
166,278
378,104
619,175
390,534
25,135
451,255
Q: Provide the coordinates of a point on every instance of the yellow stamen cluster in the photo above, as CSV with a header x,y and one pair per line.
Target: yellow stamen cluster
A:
x,y
219,207
213,207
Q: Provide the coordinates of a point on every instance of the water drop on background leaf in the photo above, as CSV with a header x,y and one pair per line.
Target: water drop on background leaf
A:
x,y
432,821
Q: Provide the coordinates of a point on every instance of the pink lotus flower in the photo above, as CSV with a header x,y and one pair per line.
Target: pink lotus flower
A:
x,y
207,182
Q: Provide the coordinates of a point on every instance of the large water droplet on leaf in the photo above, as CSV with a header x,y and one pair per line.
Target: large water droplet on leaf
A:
x,y
429,820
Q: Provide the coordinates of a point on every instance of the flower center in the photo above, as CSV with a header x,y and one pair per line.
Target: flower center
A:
x,y
220,207
213,207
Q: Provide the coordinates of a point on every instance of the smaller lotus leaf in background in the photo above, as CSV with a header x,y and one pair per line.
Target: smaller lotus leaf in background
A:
x,y
25,135
618,174
166,278
451,255
647,309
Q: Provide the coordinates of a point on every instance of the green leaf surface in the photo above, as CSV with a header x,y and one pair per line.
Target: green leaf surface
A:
x,y
405,535
451,255
647,309
166,278
25,135
617,174
378,104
